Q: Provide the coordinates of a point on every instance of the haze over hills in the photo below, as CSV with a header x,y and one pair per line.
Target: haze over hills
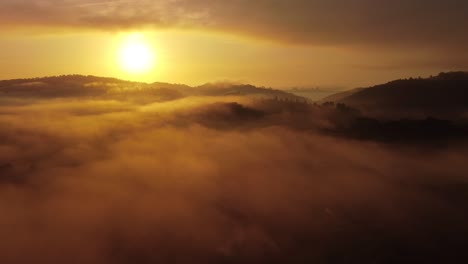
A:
x,y
337,97
92,86
227,174
314,94
414,106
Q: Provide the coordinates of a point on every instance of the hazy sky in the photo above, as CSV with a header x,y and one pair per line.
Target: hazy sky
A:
x,y
265,42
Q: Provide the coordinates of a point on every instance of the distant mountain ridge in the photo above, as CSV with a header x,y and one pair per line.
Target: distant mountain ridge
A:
x,y
93,86
441,96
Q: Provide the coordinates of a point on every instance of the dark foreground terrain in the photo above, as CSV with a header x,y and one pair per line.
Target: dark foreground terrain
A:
x,y
98,170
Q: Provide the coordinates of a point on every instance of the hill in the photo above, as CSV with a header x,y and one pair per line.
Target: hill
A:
x,y
230,89
68,86
442,95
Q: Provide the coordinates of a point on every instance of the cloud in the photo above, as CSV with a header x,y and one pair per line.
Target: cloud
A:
x,y
173,182
416,23
100,15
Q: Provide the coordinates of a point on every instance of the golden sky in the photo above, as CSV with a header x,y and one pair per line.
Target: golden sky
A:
x,y
265,42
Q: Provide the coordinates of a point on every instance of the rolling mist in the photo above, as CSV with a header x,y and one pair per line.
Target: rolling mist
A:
x,y
96,170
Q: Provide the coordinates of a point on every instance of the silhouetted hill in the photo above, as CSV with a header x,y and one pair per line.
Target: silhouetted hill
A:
x,y
442,95
92,86
63,86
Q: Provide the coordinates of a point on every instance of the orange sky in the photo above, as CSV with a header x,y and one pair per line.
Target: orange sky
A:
x,y
266,43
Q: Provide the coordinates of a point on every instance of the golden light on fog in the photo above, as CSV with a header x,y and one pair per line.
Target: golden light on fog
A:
x,y
136,55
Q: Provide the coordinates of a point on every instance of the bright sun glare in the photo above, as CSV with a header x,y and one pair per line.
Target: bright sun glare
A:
x,y
136,54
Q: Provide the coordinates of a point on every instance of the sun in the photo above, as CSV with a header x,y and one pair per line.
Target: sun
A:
x,y
136,55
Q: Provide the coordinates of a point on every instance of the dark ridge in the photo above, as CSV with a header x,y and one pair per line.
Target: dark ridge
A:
x,y
441,96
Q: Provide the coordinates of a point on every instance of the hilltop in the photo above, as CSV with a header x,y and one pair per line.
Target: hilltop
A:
x,y
444,94
93,86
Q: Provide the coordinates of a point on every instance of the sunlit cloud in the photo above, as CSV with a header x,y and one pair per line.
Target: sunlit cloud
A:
x,y
432,23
